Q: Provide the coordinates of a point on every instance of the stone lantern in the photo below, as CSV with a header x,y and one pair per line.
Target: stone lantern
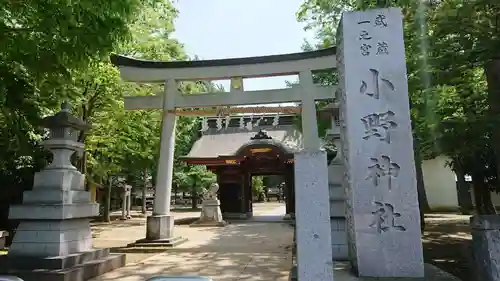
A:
x,y
63,141
53,238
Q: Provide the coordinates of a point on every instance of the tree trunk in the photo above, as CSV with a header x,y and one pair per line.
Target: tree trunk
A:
x,y
144,191
107,206
490,207
482,195
82,160
423,204
194,197
492,71
174,189
463,189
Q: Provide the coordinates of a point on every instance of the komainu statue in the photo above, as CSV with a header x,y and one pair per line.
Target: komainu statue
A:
x,y
211,193
211,214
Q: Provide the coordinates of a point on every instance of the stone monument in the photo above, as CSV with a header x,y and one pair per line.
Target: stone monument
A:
x,y
126,201
211,214
383,219
53,240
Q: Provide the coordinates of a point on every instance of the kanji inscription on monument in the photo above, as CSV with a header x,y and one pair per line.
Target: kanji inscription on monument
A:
x,y
378,83
384,218
382,167
381,47
379,125
382,205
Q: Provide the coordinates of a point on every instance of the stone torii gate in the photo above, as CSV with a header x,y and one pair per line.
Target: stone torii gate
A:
x,y
310,165
382,215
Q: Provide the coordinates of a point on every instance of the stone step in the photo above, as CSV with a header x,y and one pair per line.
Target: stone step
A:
x,y
337,208
339,239
81,272
53,263
339,253
339,235
55,196
336,172
336,191
35,212
143,243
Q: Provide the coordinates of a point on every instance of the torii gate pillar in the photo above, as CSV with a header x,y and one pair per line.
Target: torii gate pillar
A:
x,y
160,225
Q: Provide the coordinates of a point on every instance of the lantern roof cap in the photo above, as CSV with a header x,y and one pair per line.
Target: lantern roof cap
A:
x,y
64,119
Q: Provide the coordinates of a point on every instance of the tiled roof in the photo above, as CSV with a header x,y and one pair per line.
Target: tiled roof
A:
x,y
226,142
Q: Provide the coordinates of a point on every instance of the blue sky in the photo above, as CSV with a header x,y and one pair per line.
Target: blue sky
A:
x,y
216,29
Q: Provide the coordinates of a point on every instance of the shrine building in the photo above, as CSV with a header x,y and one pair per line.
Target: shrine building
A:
x,y
250,145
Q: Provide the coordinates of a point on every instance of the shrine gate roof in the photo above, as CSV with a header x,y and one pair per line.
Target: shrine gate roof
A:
x,y
227,142
120,60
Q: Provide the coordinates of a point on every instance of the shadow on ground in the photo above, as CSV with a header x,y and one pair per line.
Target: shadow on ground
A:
x,y
262,251
446,243
265,255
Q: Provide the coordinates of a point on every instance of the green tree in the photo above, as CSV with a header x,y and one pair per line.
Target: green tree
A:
x,y
43,44
447,71
325,16
140,130
258,187
200,179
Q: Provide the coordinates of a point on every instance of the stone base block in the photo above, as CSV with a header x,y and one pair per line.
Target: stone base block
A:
x,y
343,272
486,246
75,267
201,223
53,211
211,215
159,233
53,263
235,216
167,242
55,196
51,238
160,227
60,179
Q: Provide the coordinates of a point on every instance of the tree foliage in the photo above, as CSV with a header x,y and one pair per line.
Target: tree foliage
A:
x,y
450,46
53,51
47,48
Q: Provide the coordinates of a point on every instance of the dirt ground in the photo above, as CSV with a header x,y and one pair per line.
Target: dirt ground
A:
x,y
127,232
446,243
117,234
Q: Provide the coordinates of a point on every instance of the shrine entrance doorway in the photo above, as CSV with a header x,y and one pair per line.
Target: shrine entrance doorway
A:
x,y
265,159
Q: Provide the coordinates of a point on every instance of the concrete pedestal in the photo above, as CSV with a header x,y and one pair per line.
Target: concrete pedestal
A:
x,y
75,267
314,253
159,233
486,246
211,214
343,272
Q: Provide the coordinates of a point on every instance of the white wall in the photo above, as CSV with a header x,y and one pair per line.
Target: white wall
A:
x,y
440,184
495,198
